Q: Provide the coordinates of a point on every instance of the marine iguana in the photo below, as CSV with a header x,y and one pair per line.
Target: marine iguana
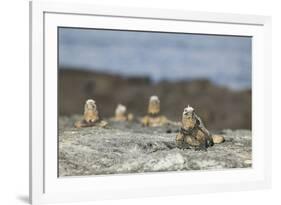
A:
x,y
91,116
193,133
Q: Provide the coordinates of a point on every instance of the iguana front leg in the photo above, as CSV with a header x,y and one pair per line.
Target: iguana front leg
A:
x,y
181,141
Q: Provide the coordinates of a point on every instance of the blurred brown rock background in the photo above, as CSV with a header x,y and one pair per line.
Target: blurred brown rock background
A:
x,y
219,107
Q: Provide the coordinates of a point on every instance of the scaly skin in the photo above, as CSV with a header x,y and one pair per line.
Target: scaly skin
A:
x,y
91,116
153,105
193,132
154,121
153,118
121,114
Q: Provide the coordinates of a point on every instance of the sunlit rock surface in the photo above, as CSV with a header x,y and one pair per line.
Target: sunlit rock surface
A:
x,y
127,147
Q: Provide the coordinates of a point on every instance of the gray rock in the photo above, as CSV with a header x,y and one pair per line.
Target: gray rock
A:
x,y
126,147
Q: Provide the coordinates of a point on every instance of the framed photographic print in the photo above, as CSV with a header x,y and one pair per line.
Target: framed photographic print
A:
x,y
129,102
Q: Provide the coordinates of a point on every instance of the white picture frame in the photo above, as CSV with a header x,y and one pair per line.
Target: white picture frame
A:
x,y
46,187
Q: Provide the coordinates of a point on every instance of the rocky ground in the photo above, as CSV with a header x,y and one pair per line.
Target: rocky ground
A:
x,y
131,148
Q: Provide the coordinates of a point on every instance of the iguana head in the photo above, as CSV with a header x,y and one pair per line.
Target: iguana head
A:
x,y
188,112
154,105
90,111
120,111
90,105
188,117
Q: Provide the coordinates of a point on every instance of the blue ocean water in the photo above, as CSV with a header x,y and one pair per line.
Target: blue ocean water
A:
x,y
224,60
